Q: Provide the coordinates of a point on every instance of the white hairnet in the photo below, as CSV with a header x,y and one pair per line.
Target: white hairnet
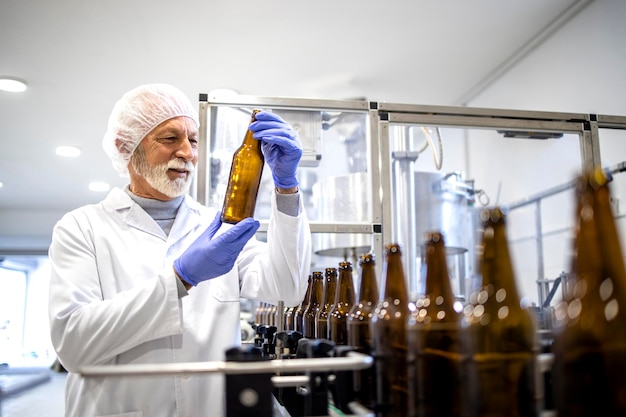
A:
x,y
136,114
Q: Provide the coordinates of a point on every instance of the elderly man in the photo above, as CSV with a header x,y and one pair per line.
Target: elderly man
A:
x,y
145,277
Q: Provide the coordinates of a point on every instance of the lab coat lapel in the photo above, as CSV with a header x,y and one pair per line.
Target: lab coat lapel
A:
x,y
187,219
132,213
138,218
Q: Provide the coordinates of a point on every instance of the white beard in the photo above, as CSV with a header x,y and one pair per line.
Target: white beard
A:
x,y
157,177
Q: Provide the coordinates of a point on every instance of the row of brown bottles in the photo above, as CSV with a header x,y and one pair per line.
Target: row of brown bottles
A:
x,y
436,357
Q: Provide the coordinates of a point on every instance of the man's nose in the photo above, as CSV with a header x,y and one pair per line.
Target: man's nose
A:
x,y
185,150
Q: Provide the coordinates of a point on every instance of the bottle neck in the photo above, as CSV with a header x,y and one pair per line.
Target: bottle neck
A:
x,y
307,295
368,287
437,277
250,142
394,286
330,289
345,292
316,292
496,267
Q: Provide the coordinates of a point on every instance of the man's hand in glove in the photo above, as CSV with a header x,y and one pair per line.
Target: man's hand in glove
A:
x,y
281,147
208,256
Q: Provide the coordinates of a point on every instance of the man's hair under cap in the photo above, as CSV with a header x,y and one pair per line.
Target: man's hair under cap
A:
x,y
136,114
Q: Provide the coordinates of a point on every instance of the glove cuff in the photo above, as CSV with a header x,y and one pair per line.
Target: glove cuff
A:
x,y
285,182
179,271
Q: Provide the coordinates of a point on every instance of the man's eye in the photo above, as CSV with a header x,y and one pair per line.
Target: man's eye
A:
x,y
168,138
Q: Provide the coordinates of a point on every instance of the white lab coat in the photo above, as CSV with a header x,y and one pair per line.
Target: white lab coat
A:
x,y
114,300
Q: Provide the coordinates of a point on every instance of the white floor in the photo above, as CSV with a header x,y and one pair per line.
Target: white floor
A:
x,y
43,400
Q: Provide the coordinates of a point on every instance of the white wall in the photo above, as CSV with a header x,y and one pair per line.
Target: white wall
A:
x,y
581,69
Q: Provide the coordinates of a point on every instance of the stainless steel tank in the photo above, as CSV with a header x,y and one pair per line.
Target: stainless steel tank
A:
x,y
441,203
342,199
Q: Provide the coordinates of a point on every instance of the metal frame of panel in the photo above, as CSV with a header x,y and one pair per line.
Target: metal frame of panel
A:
x,y
381,117
483,118
373,227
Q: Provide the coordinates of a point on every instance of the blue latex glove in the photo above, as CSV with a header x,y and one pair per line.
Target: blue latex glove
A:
x,y
281,147
209,257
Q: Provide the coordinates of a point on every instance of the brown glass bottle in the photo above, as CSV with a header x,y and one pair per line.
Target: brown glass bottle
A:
x,y
261,313
288,317
436,342
244,179
330,287
299,312
308,317
388,327
502,335
344,300
589,372
359,335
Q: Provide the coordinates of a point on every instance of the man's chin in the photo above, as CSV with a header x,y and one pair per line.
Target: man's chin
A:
x,y
174,191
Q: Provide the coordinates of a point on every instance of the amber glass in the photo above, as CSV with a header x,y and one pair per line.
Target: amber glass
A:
x,y
502,335
309,315
589,373
262,313
359,335
288,318
435,341
298,314
388,327
344,300
244,179
271,314
330,287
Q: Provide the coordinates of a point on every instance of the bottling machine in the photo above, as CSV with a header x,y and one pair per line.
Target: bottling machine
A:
x,y
374,173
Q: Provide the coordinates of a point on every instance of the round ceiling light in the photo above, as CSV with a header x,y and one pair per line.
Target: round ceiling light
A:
x,y
12,84
99,186
68,151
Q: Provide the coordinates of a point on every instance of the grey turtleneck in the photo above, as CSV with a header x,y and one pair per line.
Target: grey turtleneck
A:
x,y
163,212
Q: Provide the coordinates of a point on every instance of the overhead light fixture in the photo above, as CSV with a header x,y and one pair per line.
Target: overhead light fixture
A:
x,y
530,135
1,184
99,186
68,151
12,84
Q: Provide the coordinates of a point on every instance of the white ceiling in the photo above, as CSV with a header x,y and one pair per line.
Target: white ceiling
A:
x,y
79,57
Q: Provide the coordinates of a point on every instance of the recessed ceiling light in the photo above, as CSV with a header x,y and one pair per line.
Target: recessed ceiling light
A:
x,y
1,184
12,84
68,151
99,186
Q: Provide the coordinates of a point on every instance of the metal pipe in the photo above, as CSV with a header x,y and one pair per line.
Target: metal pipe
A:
x,y
353,360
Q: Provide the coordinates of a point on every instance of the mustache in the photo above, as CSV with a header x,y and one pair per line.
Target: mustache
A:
x,y
181,165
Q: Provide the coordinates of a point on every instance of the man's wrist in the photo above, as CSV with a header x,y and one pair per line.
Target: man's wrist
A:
x,y
187,285
290,190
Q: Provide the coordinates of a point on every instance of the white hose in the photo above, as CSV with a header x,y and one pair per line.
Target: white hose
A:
x,y
438,159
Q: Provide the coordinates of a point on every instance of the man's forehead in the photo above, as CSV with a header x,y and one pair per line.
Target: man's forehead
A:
x,y
177,124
